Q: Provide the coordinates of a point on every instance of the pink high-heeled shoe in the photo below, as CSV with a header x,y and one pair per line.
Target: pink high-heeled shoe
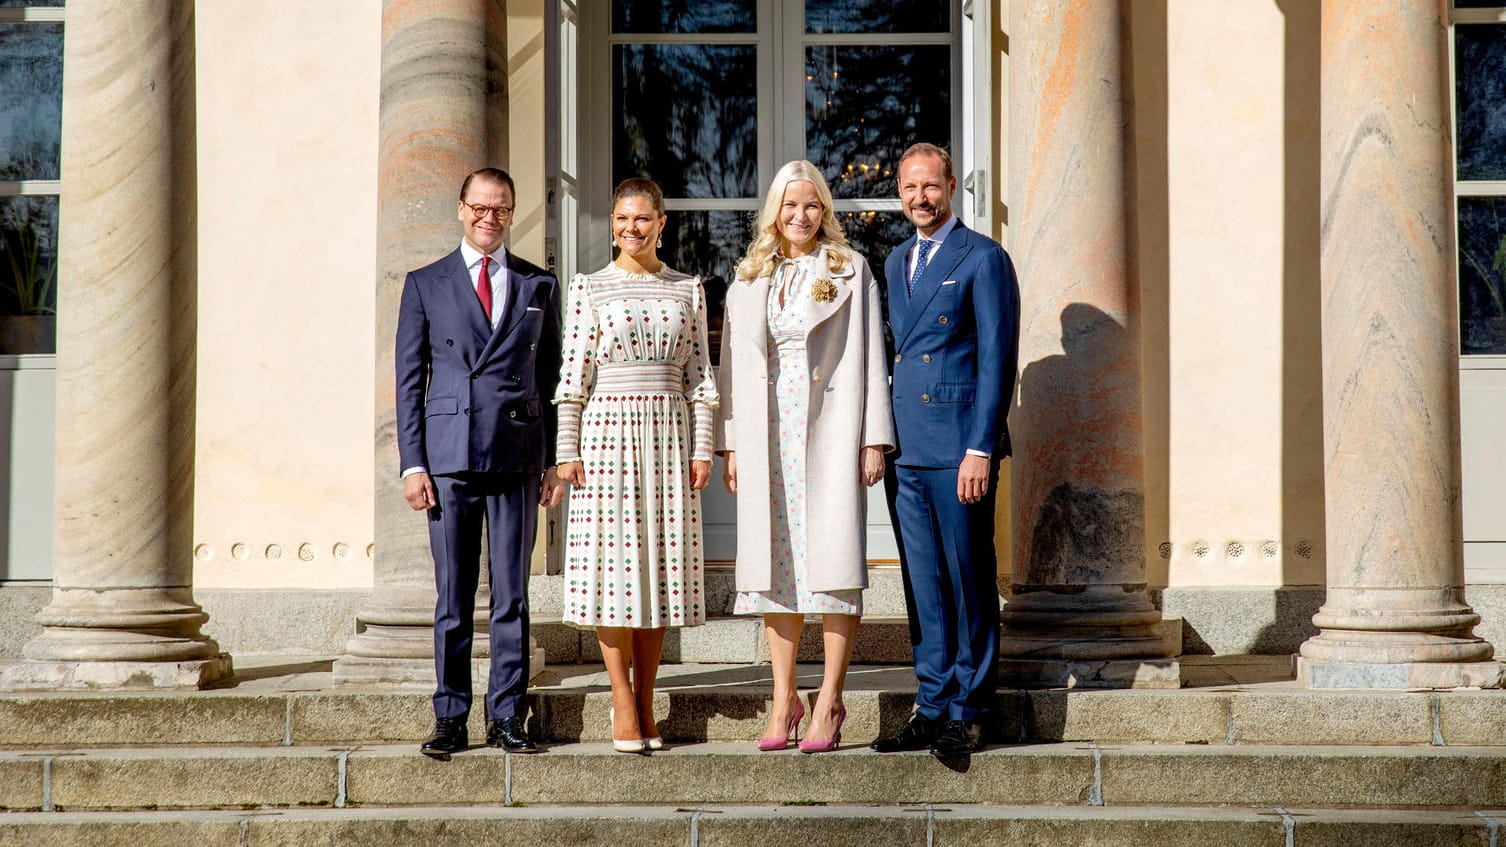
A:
x,y
830,744
779,742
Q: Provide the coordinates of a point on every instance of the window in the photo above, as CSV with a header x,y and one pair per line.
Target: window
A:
x,y
1479,47
31,97
710,98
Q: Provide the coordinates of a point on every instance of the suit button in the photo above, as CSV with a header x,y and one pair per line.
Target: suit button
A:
x,y
449,342
898,358
513,413
926,358
925,398
815,377
941,320
465,411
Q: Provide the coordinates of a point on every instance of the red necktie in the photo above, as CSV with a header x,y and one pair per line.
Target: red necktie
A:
x,y
484,288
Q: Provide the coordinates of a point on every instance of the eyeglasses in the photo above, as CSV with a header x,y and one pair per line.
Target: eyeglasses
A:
x,y
481,212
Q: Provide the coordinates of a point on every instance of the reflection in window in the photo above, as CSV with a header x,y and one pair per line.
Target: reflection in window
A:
x,y
31,97
1480,71
1482,275
865,105
687,118
18,3
708,244
28,255
684,16
875,235
825,16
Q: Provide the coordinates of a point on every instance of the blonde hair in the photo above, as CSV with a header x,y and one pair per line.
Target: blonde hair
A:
x,y
759,260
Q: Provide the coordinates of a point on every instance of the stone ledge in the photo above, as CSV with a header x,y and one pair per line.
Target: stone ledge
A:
x,y
1408,676
31,675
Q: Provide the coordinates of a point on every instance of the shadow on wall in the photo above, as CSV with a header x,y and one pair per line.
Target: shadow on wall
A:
x,y
1082,535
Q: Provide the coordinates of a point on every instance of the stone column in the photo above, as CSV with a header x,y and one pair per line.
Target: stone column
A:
x,y
1395,615
443,115
122,613
1078,613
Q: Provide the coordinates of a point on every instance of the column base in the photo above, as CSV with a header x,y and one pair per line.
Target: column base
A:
x,y
409,674
43,675
1319,674
1106,673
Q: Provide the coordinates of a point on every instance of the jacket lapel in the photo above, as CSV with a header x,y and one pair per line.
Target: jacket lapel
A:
x,y
458,283
899,293
754,309
818,305
946,259
520,291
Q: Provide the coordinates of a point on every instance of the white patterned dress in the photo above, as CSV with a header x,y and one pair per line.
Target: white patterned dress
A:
x,y
789,396
637,400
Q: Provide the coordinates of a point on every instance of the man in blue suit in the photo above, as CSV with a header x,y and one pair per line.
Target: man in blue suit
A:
x,y
478,357
954,309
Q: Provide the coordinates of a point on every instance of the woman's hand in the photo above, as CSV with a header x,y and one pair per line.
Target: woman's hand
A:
x,y
729,471
700,473
571,472
871,463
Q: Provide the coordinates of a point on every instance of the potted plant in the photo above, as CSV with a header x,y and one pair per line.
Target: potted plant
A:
x,y
31,282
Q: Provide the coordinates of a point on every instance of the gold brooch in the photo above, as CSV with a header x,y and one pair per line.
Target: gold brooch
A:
x,y
824,291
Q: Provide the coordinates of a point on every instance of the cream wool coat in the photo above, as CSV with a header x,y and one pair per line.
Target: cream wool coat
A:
x,y
848,409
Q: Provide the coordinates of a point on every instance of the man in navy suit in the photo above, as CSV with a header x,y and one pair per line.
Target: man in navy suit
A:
x,y
478,357
954,309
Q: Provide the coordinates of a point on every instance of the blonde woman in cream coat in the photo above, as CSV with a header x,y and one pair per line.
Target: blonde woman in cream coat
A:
x,y
803,426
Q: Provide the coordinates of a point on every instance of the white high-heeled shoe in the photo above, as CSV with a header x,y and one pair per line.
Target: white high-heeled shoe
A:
x,y
640,746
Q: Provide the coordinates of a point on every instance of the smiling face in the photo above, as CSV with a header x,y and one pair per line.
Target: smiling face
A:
x,y
636,226
799,220
487,231
925,192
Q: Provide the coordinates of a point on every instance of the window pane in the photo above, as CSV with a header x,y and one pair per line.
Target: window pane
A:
x,y
1480,70
28,255
685,16
1482,274
875,235
887,16
865,105
31,100
8,3
688,117
709,244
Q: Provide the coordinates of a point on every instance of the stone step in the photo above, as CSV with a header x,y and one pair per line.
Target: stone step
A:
x,y
758,826
727,772
1252,702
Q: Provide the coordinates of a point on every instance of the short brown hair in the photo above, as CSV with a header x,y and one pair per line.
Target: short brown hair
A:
x,y
493,174
640,187
925,148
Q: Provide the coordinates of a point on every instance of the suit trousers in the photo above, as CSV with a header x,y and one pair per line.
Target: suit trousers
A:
x,y
509,505
950,569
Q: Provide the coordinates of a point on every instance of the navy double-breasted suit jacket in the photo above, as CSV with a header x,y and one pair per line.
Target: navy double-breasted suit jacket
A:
x,y
468,398
956,350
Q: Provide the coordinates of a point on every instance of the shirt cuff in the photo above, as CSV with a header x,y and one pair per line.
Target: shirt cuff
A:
x,y
979,453
407,472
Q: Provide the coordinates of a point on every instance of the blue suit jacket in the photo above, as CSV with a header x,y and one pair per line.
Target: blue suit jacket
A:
x,y
956,345
469,399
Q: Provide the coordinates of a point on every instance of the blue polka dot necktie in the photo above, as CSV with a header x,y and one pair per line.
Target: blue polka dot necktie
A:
x,y
926,245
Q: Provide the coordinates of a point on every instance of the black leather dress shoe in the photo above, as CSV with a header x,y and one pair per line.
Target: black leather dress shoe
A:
x,y
917,734
449,736
957,738
511,735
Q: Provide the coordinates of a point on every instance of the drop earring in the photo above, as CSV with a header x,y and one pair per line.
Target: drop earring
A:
x,y
661,242
614,241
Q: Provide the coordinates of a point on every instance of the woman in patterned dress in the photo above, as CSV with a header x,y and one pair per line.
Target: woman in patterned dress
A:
x,y
804,425
637,403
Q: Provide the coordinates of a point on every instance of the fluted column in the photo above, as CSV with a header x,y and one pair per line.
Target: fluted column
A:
x,y
122,613
1395,615
443,115
1078,612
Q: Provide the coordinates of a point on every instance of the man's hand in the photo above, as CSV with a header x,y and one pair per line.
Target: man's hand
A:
x,y
418,489
571,472
552,490
972,478
871,465
700,473
729,471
